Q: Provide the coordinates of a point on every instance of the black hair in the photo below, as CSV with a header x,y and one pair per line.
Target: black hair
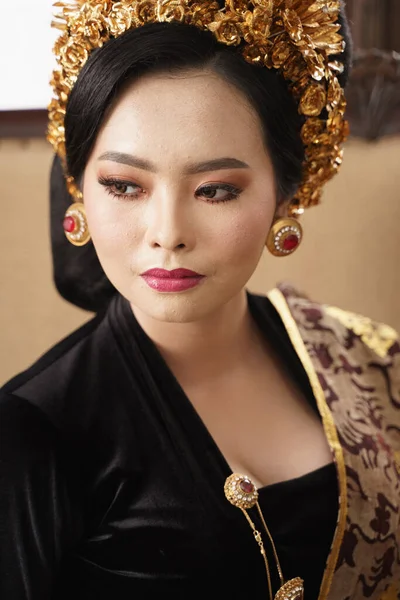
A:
x,y
174,47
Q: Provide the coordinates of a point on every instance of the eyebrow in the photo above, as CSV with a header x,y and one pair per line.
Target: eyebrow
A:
x,y
215,164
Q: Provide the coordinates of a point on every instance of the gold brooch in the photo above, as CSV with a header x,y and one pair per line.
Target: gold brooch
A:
x,y
242,493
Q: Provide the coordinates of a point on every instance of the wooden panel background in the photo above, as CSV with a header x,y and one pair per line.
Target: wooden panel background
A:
x,y
375,23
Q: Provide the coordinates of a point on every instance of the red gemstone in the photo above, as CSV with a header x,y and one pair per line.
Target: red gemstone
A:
x,y
246,486
69,224
291,242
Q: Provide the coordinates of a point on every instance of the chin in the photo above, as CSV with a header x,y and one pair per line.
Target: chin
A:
x,y
175,308
183,307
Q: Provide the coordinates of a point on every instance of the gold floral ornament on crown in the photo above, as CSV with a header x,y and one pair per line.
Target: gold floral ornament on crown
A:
x,y
296,37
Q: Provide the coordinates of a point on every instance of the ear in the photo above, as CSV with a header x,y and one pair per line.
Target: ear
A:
x,y
282,208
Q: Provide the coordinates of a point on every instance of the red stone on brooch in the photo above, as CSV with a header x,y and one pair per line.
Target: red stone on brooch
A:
x,y
240,491
246,486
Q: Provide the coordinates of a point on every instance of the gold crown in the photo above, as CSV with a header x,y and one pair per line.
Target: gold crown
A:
x,y
297,37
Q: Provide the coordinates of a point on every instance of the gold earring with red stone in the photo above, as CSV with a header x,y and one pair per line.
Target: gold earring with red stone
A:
x,y
284,237
75,225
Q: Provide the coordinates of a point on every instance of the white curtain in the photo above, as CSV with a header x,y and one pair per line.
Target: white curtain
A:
x,y
26,59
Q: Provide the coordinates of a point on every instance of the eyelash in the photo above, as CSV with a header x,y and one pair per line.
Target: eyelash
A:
x,y
108,183
233,191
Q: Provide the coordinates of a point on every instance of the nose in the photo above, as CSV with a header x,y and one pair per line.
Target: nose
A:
x,y
168,221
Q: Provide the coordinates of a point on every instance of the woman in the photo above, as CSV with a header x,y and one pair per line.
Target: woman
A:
x,y
131,445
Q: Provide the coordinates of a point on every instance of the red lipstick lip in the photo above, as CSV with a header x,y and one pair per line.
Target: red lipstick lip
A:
x,y
174,274
178,280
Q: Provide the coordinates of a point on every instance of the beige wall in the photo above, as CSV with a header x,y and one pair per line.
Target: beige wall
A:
x,y
350,255
32,314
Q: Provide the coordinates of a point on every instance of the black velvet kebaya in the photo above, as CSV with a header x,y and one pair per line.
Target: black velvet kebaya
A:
x,y
112,487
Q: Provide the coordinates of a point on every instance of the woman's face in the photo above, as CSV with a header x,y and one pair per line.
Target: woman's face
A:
x,y
179,178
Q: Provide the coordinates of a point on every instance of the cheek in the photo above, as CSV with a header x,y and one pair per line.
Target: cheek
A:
x,y
243,238
110,223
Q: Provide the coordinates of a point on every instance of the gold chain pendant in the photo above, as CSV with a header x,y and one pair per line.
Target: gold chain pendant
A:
x,y
242,493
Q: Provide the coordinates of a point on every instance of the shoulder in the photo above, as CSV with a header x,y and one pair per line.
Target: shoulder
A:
x,y
356,360
349,329
31,448
25,431
380,338
57,356
62,383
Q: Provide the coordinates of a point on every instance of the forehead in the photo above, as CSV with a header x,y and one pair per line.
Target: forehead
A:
x,y
183,114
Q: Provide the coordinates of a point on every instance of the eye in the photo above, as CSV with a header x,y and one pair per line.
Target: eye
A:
x,y
119,188
218,192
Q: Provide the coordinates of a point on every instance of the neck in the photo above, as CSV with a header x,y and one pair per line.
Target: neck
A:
x,y
207,347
